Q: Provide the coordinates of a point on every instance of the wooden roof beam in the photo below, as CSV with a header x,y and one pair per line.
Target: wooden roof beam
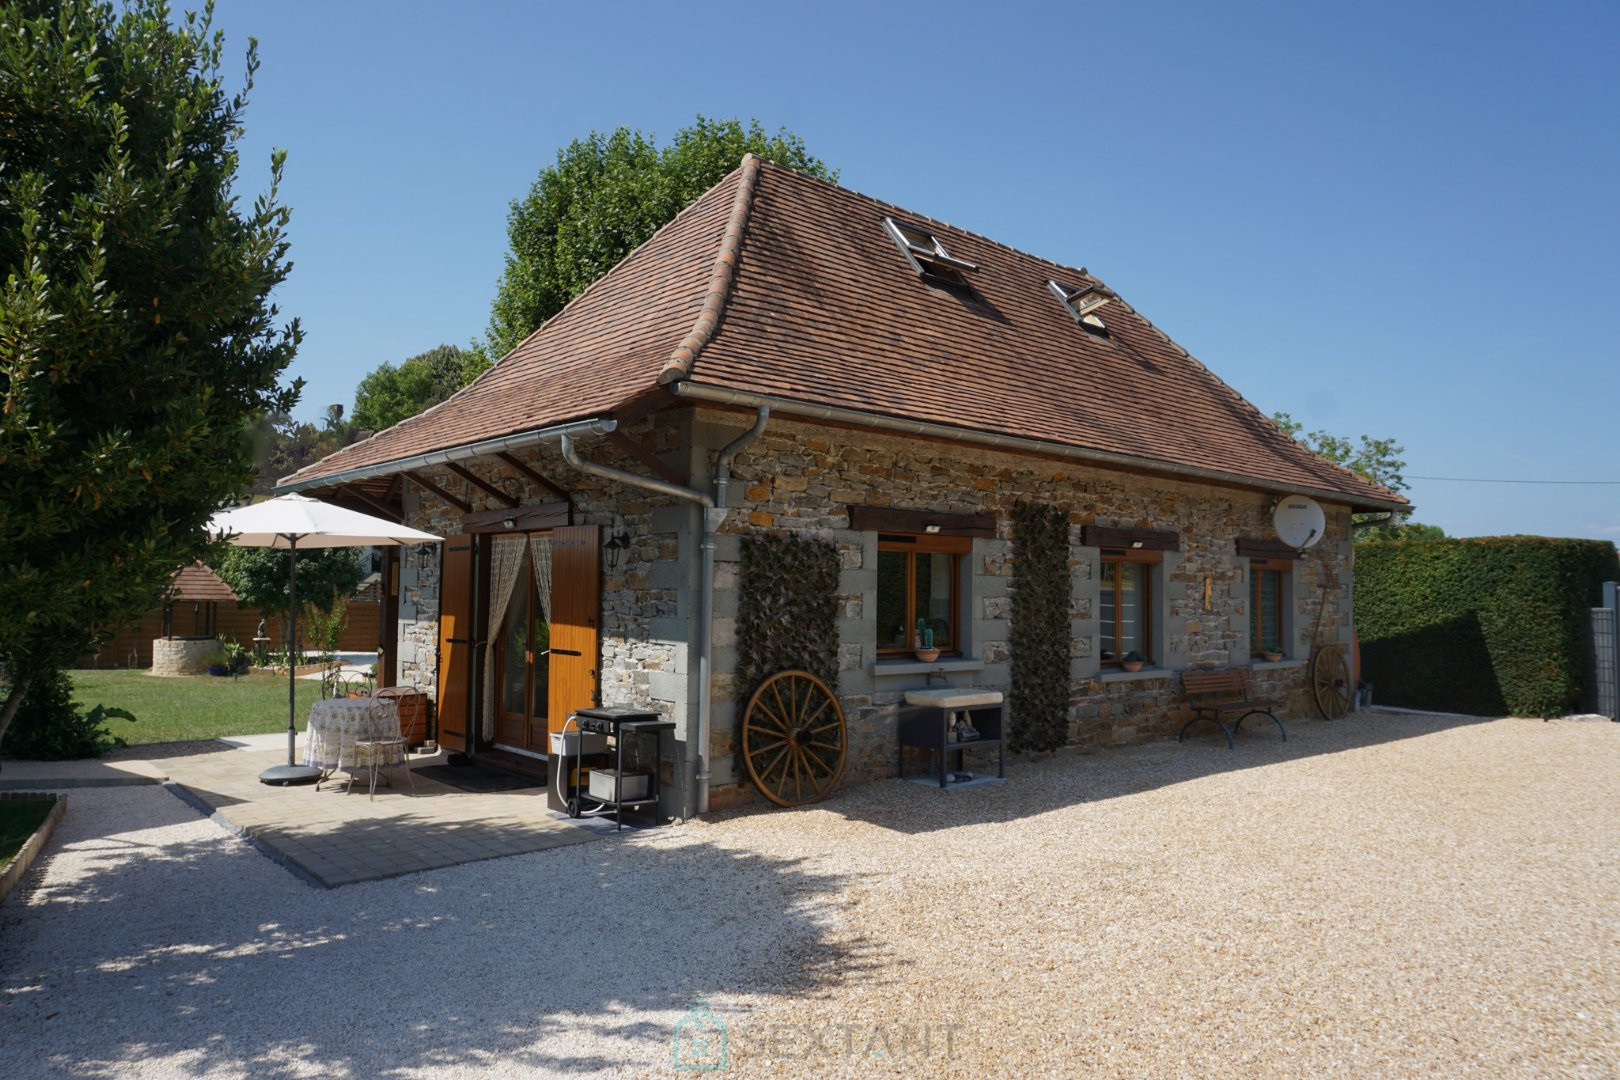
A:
x,y
521,467
481,484
645,456
423,482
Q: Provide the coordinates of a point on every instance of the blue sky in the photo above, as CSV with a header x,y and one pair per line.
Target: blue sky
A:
x,y
1397,219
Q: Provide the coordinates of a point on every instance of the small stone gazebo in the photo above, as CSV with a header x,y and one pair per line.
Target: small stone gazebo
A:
x,y
187,654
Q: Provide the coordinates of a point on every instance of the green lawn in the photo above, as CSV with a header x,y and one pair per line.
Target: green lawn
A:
x,y
193,706
18,820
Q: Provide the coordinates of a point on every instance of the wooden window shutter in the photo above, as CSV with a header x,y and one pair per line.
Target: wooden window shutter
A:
x,y
576,612
455,642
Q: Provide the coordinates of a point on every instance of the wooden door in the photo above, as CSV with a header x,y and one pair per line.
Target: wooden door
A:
x,y
576,611
455,642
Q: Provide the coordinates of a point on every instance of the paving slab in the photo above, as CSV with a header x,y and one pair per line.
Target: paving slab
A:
x,y
334,835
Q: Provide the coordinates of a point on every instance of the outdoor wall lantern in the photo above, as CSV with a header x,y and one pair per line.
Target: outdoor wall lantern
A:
x,y
616,543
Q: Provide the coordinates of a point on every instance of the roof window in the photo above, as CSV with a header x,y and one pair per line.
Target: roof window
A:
x,y
926,254
1081,301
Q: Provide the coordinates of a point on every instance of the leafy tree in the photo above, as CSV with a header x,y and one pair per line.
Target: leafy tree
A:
x,y
327,577
605,196
391,394
1378,460
139,340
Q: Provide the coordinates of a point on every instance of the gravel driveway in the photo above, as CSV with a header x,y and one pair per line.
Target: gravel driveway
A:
x,y
1388,895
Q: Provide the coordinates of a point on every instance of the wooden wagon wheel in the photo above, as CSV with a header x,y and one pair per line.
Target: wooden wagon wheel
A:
x,y
1330,682
793,738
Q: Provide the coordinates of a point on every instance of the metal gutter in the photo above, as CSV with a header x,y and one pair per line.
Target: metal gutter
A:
x,y
1015,443
519,441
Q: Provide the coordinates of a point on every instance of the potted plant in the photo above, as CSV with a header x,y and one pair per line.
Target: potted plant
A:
x,y
218,661
1271,651
924,643
1132,661
237,657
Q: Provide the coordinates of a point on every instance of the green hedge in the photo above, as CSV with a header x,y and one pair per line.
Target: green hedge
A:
x,y
1041,630
1489,626
787,615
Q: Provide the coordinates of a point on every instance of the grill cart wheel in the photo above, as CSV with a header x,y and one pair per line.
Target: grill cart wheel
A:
x,y
1330,682
794,738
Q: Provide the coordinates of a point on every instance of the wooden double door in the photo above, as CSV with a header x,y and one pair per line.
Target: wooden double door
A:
x,y
544,652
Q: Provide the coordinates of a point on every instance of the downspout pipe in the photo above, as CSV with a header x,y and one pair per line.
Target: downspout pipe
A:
x,y
697,797
722,462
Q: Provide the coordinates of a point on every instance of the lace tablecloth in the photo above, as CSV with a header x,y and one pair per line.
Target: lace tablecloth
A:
x,y
336,725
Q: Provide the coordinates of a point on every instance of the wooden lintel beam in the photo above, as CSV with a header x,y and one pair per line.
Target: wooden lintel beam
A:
x,y
521,467
423,482
643,455
522,519
481,484
359,496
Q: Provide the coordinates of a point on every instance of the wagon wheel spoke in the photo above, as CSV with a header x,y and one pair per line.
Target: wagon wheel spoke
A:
x,y
770,766
794,728
780,724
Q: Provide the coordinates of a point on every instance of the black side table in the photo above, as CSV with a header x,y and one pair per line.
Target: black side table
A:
x,y
928,727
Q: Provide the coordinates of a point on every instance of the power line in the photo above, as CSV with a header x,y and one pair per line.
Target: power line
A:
x,y
1484,480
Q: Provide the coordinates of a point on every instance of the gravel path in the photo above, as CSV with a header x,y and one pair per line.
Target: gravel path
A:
x,y
1389,895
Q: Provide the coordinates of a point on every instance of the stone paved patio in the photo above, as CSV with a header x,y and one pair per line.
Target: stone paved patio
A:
x,y
331,837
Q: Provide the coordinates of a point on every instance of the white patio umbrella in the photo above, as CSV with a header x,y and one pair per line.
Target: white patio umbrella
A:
x,y
288,523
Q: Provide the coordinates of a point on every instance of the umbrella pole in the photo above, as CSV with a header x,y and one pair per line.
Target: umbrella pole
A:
x,y
292,773
292,651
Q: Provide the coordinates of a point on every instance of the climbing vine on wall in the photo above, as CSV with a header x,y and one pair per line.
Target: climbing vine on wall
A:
x,y
787,613
1041,630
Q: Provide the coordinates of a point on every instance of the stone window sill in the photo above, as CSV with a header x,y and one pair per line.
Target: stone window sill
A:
x,y
1120,675
914,667
1275,665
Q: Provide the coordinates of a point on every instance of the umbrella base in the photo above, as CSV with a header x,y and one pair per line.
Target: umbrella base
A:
x,y
290,774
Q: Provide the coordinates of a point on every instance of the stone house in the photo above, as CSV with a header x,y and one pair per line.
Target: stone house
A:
x,y
790,356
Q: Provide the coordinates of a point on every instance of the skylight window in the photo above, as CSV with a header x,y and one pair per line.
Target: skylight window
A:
x,y
926,254
1081,300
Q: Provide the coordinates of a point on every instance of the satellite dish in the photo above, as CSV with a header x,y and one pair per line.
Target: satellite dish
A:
x,y
1299,521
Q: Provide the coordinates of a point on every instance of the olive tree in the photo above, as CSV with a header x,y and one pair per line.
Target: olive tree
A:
x,y
137,340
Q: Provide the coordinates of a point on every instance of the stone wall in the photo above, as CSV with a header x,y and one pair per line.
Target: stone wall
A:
x,y
645,613
800,476
182,656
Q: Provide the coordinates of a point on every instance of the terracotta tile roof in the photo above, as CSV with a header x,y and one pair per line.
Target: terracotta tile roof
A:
x,y
605,347
800,293
197,582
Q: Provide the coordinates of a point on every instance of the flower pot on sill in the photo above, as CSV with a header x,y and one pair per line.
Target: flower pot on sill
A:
x,y
927,656
1272,657
1131,665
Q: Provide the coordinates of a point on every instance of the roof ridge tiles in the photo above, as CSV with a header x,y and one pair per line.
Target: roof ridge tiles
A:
x,y
679,364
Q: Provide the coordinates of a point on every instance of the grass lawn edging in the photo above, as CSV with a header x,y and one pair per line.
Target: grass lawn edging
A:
x,y
24,859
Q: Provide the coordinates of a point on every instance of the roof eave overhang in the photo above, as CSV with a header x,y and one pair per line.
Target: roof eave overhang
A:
x,y
517,441
722,395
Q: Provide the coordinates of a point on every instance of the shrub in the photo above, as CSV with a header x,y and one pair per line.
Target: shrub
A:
x,y
1485,626
787,615
1041,632
49,726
